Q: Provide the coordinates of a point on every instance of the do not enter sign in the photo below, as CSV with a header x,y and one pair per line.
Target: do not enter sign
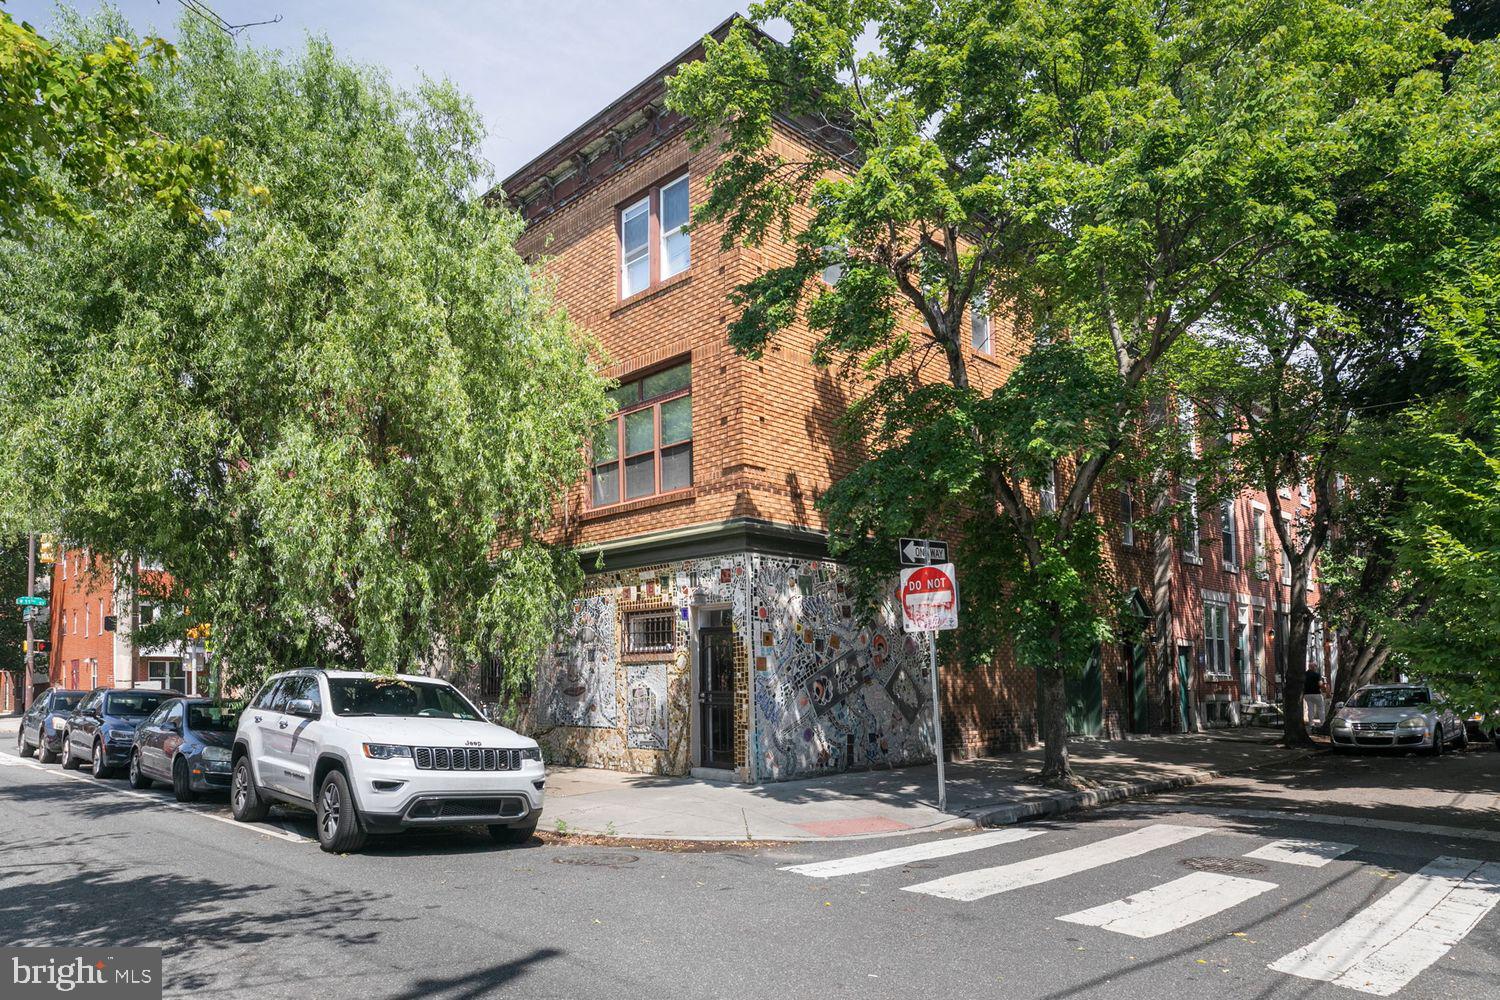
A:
x,y
929,598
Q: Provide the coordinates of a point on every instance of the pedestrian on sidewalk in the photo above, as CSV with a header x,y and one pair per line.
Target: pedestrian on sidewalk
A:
x,y
1314,702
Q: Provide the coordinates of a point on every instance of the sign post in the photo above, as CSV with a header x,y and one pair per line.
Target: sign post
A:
x,y
929,603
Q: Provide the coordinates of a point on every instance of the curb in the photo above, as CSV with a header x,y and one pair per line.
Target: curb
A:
x,y
1066,802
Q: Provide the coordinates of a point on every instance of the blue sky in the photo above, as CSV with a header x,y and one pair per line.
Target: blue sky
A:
x,y
535,69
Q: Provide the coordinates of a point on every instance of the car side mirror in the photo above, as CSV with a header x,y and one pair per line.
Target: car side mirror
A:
x,y
302,707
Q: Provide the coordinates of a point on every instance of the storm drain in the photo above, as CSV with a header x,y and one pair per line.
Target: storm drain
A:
x,y
596,860
1225,866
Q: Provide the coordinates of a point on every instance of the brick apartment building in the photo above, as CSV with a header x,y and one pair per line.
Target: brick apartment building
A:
x,y
95,612
714,634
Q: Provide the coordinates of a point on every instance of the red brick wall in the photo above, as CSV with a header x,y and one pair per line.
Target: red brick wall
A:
x,y
76,598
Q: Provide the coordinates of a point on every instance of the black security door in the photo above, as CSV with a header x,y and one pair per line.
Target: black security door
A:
x,y
716,697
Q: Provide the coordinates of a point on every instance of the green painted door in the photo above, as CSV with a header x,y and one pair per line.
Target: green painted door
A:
x,y
1086,700
1184,706
1140,703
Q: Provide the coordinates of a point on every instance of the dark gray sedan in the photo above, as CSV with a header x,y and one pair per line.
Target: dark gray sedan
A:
x,y
186,741
41,729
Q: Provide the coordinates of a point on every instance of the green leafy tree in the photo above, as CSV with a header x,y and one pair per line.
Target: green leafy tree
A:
x,y
76,118
1112,174
339,420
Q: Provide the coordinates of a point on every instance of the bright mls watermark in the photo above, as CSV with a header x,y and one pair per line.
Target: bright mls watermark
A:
x,y
117,973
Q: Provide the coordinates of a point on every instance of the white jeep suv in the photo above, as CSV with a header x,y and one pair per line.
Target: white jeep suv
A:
x,y
373,753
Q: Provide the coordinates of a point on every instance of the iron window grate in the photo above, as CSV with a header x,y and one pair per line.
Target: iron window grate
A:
x,y
648,632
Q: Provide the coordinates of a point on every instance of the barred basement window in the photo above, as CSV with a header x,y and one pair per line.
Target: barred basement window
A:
x,y
648,632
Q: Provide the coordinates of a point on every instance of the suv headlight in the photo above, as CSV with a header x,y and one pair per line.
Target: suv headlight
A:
x,y
1415,722
218,755
386,751
532,753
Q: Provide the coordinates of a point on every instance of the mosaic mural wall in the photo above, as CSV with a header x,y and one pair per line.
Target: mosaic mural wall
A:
x,y
824,686
578,681
835,687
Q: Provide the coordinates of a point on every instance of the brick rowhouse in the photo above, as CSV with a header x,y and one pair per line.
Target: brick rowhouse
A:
x,y
714,635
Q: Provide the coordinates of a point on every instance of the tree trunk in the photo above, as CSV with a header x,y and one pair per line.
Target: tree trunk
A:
x,y
1299,623
1052,692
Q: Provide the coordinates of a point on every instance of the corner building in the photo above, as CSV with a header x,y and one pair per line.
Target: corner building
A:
x,y
714,635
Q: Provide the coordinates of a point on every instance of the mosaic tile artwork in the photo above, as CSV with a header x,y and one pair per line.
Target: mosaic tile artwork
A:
x,y
832,689
577,684
646,706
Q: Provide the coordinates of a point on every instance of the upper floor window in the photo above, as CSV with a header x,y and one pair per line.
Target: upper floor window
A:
x,y
1229,528
647,446
833,265
1127,517
1187,423
1190,518
1258,539
659,218
980,335
1049,491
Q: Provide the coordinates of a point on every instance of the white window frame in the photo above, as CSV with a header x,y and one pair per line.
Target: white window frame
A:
x,y
1229,525
1047,494
1127,518
1286,567
1192,550
1187,423
1216,641
628,214
661,201
1258,542
981,330
86,622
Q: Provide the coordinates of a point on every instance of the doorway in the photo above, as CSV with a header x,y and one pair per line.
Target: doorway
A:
x,y
716,697
1137,656
1085,695
1184,692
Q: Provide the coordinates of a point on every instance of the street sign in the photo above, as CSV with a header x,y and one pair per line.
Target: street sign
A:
x,y
922,551
31,602
929,598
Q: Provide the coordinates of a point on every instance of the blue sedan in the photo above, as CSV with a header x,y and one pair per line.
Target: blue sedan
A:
x,y
101,731
186,741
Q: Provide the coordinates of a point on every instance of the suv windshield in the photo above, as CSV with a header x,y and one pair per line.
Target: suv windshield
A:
x,y
211,719
1389,698
132,703
382,696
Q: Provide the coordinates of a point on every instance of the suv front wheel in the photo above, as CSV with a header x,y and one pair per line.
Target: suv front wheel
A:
x,y
339,829
244,801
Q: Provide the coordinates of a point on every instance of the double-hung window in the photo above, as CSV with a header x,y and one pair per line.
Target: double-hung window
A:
x,y
1127,517
654,240
1258,539
1049,491
1190,518
1229,528
646,448
981,336
1216,638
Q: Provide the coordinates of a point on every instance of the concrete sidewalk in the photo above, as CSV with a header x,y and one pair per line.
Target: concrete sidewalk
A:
x,y
868,804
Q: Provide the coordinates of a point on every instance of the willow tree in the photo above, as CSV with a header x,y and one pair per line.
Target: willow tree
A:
x,y
340,419
1112,174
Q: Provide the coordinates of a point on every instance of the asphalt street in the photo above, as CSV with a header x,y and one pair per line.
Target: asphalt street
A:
x,y
1212,891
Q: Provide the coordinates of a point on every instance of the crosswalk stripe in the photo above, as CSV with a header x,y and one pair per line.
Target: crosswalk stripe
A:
x,y
1175,904
968,886
1384,946
914,852
1309,853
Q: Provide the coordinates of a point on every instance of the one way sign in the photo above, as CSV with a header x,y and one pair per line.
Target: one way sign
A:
x,y
922,551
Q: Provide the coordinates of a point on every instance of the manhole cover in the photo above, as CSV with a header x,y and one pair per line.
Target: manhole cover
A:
x,y
597,860
1225,866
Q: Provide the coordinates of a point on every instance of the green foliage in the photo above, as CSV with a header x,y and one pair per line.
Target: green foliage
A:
x,y
1115,175
340,420
1447,535
78,117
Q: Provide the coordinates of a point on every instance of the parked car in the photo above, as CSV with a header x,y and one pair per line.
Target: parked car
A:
x,y
186,741
1484,726
371,753
101,730
1400,716
41,729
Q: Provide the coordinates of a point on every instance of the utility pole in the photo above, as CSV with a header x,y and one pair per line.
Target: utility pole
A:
x,y
26,684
